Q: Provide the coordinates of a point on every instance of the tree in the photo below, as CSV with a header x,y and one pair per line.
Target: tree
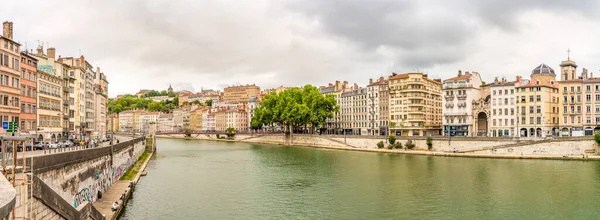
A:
x,y
597,138
208,102
409,145
188,132
380,144
155,107
230,132
392,139
482,82
429,143
196,102
398,145
185,103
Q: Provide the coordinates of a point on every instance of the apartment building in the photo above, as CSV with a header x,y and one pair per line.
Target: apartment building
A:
x,y
220,120
378,106
252,104
538,104
346,114
210,122
237,119
10,73
196,119
459,93
112,123
415,105
50,107
181,118
48,63
28,80
165,123
100,103
333,125
148,121
360,112
80,105
240,94
503,107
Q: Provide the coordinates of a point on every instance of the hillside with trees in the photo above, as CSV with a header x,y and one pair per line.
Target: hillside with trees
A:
x,y
130,102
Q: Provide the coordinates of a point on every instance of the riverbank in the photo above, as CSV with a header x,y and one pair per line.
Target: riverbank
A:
x,y
325,143
122,190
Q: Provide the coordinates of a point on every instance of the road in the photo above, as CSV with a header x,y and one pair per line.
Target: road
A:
x,y
37,153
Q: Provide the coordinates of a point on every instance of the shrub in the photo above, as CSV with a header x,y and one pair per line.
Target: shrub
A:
x,y
218,136
230,132
597,138
392,139
398,145
380,144
188,132
409,145
429,143
391,146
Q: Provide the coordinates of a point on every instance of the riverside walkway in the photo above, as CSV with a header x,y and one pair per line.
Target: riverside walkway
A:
x,y
117,192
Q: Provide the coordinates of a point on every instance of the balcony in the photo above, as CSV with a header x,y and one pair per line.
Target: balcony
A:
x,y
449,105
449,97
461,97
458,86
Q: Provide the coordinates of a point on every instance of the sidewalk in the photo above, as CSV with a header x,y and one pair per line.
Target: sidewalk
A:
x,y
110,196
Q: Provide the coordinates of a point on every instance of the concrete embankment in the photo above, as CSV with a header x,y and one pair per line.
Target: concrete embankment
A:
x,y
558,149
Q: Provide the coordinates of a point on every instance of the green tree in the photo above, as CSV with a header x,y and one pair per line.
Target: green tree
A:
x,y
208,102
597,138
188,132
230,132
155,106
409,145
380,144
196,102
392,139
429,143
185,103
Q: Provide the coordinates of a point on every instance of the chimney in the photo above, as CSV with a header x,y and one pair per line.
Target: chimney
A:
x,y
346,82
496,80
584,74
519,79
370,81
40,51
592,75
459,73
51,53
7,29
355,86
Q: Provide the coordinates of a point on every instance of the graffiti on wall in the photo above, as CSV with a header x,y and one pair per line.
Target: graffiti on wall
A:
x,y
102,181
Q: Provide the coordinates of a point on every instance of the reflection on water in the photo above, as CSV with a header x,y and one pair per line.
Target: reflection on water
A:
x,y
216,180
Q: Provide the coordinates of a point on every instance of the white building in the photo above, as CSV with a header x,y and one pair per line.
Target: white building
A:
x,y
165,123
252,104
125,121
148,120
503,108
459,93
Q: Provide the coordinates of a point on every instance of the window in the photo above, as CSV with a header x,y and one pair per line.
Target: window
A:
x,y
530,98
588,108
23,107
22,90
499,92
588,98
530,109
538,98
539,120
512,91
530,120
539,109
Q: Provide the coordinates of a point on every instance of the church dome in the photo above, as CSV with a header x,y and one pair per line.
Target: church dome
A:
x,y
544,70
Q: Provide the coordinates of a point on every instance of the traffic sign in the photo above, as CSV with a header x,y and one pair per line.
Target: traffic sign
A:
x,y
5,125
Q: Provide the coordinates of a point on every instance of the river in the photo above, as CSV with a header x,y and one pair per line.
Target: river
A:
x,y
194,179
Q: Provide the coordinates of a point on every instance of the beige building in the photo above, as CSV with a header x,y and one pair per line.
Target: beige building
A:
x,y
360,111
240,94
538,104
196,119
415,105
50,107
237,119
457,112
220,120
148,121
378,107
580,103
503,107
346,111
333,125
100,103
181,118
165,123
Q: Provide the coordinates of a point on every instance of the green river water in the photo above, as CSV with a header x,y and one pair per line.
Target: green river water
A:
x,y
193,179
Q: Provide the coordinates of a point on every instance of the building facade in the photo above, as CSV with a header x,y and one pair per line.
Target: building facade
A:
x,y
10,73
503,107
360,111
415,105
538,104
50,107
165,123
459,93
28,80
240,94
378,106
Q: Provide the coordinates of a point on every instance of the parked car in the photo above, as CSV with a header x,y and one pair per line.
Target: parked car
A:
x,y
53,145
67,144
38,146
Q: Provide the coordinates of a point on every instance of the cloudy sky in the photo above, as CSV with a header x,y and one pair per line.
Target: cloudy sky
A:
x,y
211,44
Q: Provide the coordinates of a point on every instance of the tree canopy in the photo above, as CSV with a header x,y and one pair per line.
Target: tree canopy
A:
x,y
130,102
153,93
295,107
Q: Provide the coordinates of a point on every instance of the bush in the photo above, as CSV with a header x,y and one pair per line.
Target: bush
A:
x,y
398,145
391,146
429,143
597,138
218,136
380,144
392,139
230,132
188,132
409,145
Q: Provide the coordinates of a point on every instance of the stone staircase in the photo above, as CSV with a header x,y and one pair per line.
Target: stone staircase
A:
x,y
519,144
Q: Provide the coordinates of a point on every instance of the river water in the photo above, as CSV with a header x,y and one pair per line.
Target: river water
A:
x,y
193,179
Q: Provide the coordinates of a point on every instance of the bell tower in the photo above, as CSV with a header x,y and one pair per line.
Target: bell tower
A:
x,y
568,68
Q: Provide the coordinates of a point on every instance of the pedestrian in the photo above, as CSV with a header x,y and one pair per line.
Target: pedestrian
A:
x,y
115,206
